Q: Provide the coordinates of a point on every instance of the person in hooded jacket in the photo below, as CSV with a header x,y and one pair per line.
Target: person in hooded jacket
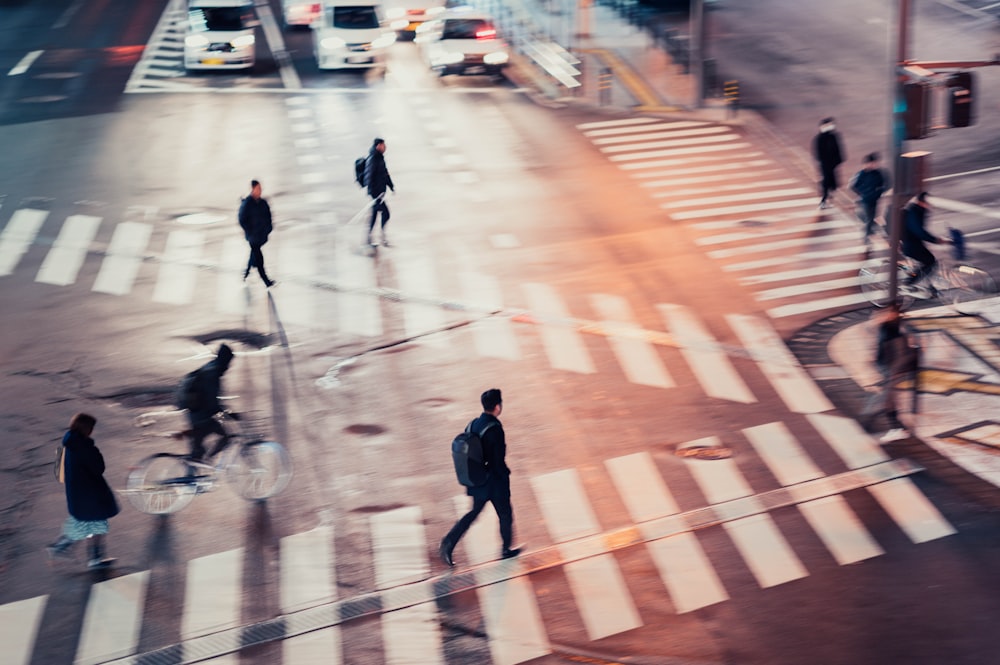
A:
x,y
255,220
89,499
377,179
201,415
829,155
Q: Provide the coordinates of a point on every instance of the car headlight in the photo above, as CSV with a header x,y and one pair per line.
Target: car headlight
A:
x,y
332,43
196,41
399,24
243,41
383,40
496,58
395,12
447,57
433,11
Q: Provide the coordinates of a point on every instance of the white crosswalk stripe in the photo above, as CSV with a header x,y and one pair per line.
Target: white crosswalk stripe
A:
x,y
112,620
712,178
18,236
19,622
63,261
124,257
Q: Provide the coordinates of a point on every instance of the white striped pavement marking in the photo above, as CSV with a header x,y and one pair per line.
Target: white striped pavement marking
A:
x,y
698,151
231,294
175,283
123,259
802,273
683,566
358,313
112,619
615,123
807,289
900,498
62,262
830,517
795,387
296,263
733,198
411,635
760,543
213,594
782,244
768,232
740,209
673,191
652,146
19,623
791,259
307,569
597,584
563,344
17,236
706,174
707,360
514,625
772,218
711,163
637,357
321,647
493,336
415,274
645,127
834,302
657,135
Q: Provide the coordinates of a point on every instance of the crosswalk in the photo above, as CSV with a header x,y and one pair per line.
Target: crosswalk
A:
x,y
315,622
746,210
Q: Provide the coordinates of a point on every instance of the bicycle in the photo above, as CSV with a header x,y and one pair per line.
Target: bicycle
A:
x,y
165,483
952,281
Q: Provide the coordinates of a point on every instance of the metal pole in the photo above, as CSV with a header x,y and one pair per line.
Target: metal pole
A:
x,y
897,132
697,54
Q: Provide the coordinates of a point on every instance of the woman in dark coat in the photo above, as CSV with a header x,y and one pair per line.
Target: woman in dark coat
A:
x,y
90,501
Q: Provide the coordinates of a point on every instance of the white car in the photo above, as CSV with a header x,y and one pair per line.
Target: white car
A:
x,y
350,34
300,12
405,16
463,41
220,35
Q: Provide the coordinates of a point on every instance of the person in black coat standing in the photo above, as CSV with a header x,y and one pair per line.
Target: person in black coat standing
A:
x,y
827,151
496,490
255,220
90,501
377,179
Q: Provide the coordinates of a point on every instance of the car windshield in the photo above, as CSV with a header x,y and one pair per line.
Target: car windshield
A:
x,y
467,28
354,18
220,18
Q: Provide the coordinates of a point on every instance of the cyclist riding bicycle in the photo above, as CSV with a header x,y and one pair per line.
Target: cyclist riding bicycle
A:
x,y
202,403
915,234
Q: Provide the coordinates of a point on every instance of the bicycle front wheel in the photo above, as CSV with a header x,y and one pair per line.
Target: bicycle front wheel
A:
x,y
160,485
968,287
260,470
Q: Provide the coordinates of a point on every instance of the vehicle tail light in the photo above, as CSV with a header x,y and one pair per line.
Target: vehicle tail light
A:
x,y
486,34
316,8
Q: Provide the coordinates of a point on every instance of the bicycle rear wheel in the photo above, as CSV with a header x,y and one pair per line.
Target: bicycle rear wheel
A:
x,y
160,485
260,470
873,278
968,287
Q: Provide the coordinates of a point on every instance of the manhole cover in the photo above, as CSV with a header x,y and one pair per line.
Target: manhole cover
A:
x,y
705,452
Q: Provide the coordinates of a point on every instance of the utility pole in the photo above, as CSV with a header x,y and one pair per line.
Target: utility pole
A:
x,y
897,133
697,52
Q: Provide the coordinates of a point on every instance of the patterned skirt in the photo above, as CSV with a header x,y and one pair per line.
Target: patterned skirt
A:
x,y
75,529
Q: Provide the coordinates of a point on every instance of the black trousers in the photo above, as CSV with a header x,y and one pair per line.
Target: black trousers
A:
x,y
378,205
256,261
200,431
499,495
927,262
828,181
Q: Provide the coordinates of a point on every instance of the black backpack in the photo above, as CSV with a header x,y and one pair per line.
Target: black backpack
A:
x,y
359,170
467,454
188,394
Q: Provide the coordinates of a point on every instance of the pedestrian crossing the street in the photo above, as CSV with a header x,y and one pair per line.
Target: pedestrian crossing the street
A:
x,y
746,210
517,624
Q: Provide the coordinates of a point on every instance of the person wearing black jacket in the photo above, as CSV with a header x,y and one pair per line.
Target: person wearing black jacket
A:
x,y
869,184
496,490
915,234
90,501
201,415
255,220
827,151
377,179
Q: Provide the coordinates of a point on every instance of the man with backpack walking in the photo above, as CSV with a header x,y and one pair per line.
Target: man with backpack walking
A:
x,y
199,394
376,180
493,480
869,184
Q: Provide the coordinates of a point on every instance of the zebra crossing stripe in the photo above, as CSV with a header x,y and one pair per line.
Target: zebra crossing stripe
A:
x,y
601,595
112,619
830,517
296,263
637,357
307,569
793,259
673,190
63,261
739,209
676,154
742,196
230,296
315,648
793,309
710,163
493,336
738,236
415,270
807,289
899,497
685,570
19,623
18,235
652,146
756,536
794,386
563,344
411,635
624,122
639,138
212,595
802,273
514,625
123,259
706,358
178,273
359,313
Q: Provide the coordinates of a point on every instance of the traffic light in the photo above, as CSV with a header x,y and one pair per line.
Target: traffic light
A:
x,y
916,115
960,86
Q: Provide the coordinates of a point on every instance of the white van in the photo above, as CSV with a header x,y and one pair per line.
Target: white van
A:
x,y
351,34
220,35
405,16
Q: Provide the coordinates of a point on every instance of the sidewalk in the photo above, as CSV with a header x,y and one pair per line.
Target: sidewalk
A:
x,y
960,377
